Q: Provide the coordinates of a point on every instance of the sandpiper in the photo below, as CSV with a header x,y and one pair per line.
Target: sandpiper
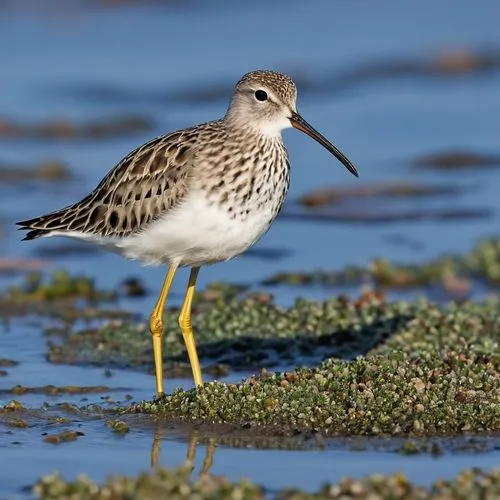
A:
x,y
194,197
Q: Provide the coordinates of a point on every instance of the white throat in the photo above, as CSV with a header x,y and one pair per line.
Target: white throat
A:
x,y
272,129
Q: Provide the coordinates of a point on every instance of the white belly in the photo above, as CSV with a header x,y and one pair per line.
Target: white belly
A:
x,y
194,234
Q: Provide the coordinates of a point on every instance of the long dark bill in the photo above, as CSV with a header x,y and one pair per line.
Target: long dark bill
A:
x,y
300,124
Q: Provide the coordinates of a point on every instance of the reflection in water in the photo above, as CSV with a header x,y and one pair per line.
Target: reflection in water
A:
x,y
193,441
155,448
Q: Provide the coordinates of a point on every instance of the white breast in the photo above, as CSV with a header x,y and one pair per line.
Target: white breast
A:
x,y
196,233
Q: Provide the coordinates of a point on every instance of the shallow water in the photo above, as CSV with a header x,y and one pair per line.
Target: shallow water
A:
x,y
81,60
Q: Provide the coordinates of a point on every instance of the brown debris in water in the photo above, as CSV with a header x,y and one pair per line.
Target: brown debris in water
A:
x,y
456,160
49,170
64,129
374,204
8,362
51,390
63,437
331,195
464,61
386,216
19,423
132,287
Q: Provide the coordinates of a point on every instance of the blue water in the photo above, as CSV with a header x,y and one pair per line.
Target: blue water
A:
x,y
59,59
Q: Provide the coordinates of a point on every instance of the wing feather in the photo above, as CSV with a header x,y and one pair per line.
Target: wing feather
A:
x,y
148,182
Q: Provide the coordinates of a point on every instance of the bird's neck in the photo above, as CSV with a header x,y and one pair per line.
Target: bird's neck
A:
x,y
258,129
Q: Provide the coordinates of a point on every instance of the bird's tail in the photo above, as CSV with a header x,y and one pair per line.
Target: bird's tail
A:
x,y
45,224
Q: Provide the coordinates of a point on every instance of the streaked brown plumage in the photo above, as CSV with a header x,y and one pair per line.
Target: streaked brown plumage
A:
x,y
145,184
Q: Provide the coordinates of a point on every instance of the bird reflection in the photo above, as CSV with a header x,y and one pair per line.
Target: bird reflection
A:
x,y
193,442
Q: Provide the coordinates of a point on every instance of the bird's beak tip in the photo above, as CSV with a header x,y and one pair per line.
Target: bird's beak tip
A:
x,y
300,124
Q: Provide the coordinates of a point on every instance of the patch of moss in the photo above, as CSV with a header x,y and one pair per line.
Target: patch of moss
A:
x,y
243,334
60,285
11,406
177,485
435,371
61,295
383,394
413,447
118,426
249,333
481,263
471,329
58,420
13,414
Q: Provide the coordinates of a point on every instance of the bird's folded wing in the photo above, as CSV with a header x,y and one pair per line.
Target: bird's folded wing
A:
x,y
146,184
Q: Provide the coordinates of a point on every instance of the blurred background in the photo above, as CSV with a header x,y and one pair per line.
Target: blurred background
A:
x,y
408,91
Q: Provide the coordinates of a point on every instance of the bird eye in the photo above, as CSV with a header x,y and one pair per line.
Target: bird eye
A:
x,y
260,95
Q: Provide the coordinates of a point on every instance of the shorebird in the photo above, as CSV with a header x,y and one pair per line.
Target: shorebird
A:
x,y
194,197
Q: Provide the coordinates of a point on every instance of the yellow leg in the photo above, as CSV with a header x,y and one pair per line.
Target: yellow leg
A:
x,y
187,329
156,326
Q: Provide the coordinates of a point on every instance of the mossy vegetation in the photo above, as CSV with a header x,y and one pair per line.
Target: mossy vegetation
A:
x,y
177,485
400,368
118,426
433,371
39,287
382,394
481,263
58,294
243,333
